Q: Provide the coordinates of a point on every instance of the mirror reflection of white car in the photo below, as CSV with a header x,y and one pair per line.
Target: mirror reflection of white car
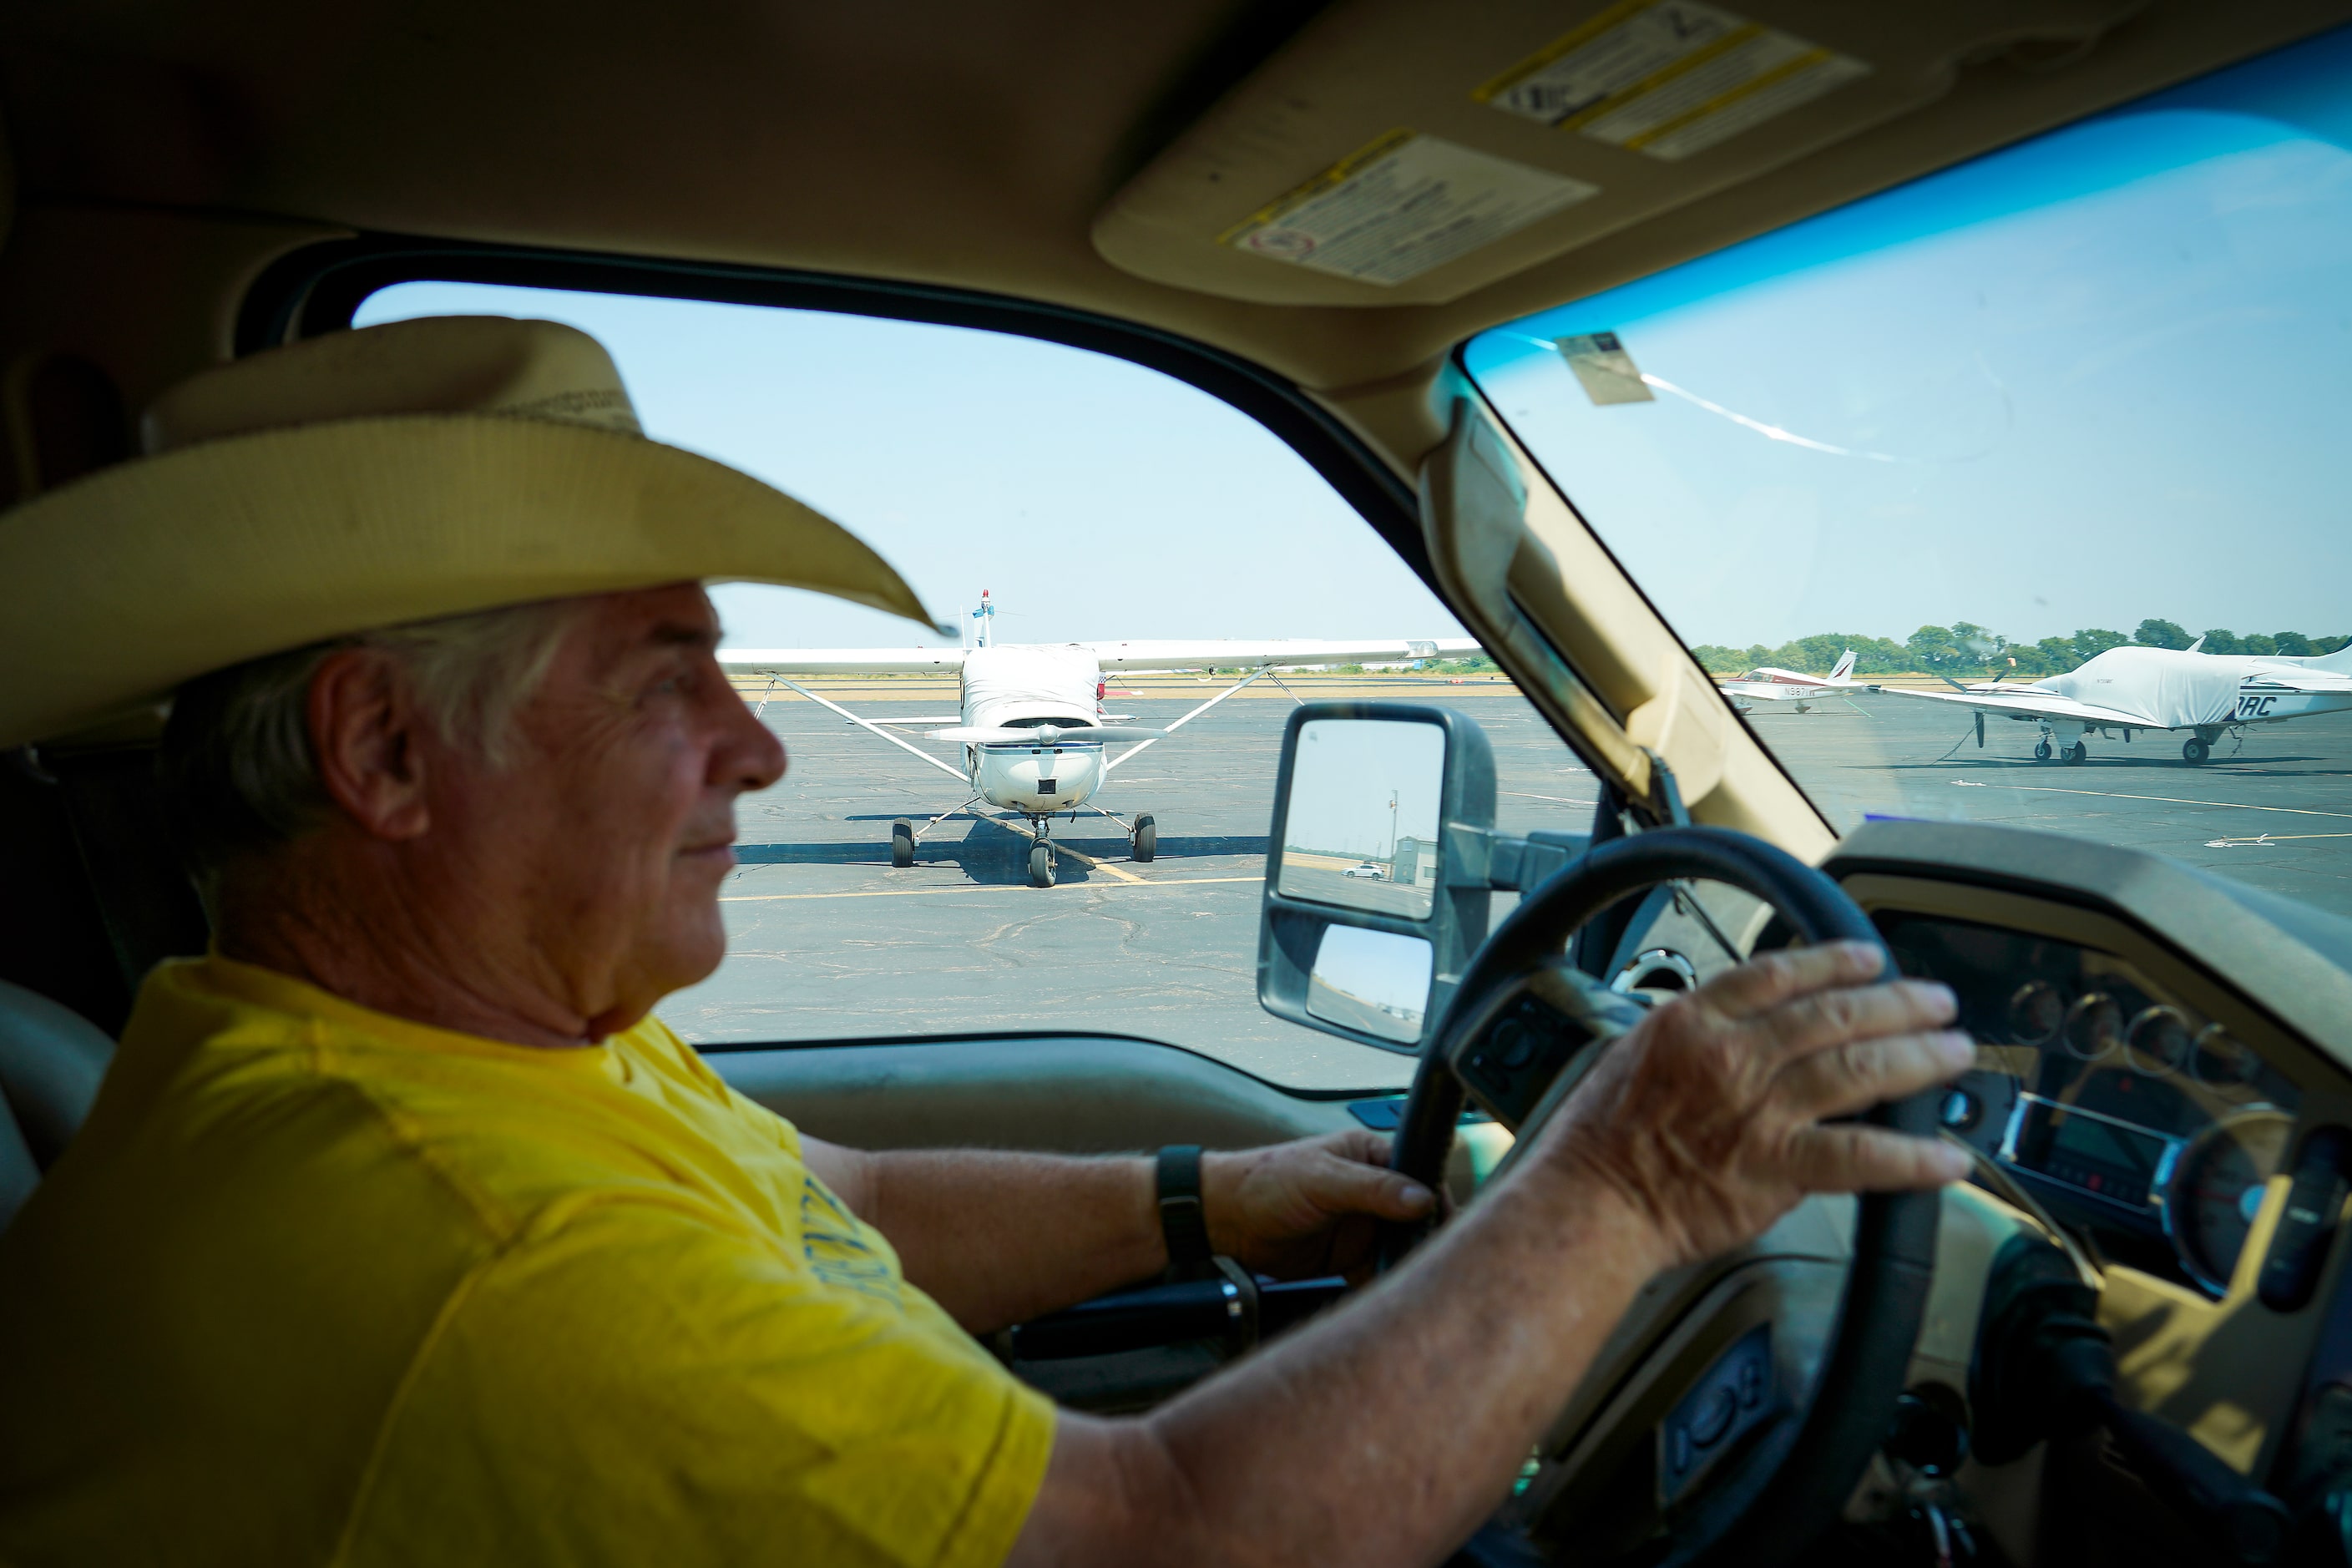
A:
x,y
1366,870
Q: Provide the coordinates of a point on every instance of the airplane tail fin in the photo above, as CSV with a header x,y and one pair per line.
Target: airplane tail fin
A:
x,y
2337,663
1843,669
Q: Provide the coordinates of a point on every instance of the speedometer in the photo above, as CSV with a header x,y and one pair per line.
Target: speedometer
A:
x,y
2217,1189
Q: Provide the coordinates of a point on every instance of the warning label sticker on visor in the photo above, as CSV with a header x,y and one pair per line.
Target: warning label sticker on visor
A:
x,y
1407,203
1668,78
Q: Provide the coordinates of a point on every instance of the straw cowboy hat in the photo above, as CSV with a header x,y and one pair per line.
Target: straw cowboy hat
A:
x,y
389,474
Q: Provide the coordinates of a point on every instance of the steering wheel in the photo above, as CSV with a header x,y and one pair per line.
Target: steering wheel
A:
x,y
1794,1472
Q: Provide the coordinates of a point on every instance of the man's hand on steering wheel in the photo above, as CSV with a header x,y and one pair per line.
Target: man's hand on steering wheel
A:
x,y
1712,1117
1305,1209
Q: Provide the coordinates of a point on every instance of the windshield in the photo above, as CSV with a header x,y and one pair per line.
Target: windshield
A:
x,y
2013,436
1037,497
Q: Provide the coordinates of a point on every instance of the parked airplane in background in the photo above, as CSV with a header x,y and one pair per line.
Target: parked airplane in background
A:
x,y
1769,683
2137,688
1032,728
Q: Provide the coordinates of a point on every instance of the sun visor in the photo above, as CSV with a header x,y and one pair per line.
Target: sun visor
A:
x,y
1393,154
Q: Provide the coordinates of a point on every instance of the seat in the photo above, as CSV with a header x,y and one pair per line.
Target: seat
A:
x,y
51,1060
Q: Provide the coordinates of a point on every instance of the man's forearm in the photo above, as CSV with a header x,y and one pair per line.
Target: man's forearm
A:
x,y
996,1239
1415,1403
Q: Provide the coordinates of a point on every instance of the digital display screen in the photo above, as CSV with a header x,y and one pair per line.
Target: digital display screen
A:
x,y
2103,1157
2096,1140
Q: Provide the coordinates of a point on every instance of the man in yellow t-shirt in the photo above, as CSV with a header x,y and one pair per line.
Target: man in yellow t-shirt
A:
x,y
402,1233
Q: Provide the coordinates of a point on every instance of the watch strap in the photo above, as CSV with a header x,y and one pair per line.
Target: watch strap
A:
x,y
1183,1222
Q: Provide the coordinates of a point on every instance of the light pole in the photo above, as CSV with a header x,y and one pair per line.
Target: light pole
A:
x,y
1392,830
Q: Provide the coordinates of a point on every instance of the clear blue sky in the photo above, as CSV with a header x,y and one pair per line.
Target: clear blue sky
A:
x,y
1093,497
2100,376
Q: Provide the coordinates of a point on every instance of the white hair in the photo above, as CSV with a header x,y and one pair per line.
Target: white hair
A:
x,y
237,769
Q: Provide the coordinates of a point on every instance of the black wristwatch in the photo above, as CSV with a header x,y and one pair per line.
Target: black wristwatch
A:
x,y
1183,1222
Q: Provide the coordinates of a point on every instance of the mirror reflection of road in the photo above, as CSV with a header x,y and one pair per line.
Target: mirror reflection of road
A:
x,y
1336,887
826,941
1343,1007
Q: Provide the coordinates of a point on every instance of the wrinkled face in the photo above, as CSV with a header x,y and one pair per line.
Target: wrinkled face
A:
x,y
602,842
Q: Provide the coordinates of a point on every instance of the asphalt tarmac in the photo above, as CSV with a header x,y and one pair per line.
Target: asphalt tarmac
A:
x,y
828,942
2273,809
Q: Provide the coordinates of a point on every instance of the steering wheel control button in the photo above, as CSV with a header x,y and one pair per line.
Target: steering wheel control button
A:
x,y
1712,1420
1960,1109
1753,1382
1732,1396
1523,1050
2307,1229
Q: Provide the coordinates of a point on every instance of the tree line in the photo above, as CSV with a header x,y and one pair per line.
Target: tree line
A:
x,y
1966,648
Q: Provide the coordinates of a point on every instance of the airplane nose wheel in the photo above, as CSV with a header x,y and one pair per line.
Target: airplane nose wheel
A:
x,y
2194,750
902,844
1146,837
1041,865
2041,749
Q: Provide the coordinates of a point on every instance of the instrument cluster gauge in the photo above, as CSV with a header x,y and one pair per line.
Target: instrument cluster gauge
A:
x,y
2158,1042
2036,1013
2219,1059
2094,1029
2217,1189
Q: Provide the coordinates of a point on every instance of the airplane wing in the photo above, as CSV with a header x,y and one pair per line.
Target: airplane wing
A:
x,y
1045,734
2282,680
840,661
2034,704
1231,653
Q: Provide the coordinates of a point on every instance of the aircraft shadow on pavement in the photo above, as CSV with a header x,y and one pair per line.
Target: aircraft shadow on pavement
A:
x,y
992,852
2245,766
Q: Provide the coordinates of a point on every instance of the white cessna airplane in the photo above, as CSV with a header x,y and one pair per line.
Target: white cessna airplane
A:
x,y
2135,688
1031,730
1769,683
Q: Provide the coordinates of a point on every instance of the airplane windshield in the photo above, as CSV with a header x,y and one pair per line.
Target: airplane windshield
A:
x,y
1945,485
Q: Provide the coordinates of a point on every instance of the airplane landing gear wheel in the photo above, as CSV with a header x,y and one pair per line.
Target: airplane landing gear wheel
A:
x,y
2194,751
1041,866
2077,755
1146,837
2041,749
902,844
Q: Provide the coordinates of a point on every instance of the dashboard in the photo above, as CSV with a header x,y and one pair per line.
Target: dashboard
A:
x,y
2148,1127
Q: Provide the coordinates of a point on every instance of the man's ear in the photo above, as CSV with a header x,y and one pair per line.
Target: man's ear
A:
x,y
365,733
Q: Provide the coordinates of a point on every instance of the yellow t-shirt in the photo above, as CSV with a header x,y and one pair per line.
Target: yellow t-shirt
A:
x,y
317,1285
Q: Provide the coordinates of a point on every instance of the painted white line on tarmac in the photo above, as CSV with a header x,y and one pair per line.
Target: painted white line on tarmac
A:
x,y
2168,799
2269,838
983,888
1561,799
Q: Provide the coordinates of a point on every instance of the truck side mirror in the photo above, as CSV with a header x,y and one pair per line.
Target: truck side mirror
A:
x,y
1377,869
